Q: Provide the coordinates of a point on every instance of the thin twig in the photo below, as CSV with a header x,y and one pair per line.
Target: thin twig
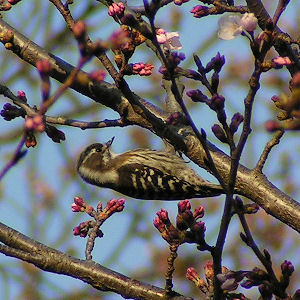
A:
x,y
18,154
273,142
69,81
31,112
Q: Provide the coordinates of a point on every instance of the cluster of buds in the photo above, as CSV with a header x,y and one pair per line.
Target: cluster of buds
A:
x,y
174,60
280,61
114,206
200,11
79,205
141,69
7,39
30,139
124,41
267,287
116,9
229,280
290,104
99,215
215,65
35,123
9,112
83,229
290,108
188,228
219,132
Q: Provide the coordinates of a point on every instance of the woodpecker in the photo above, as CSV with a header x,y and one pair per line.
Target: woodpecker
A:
x,y
143,174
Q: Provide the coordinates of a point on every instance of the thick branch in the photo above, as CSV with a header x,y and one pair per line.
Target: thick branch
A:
x,y
48,259
249,183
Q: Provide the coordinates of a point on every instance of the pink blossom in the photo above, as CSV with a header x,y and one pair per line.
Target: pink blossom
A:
x,y
116,9
142,69
282,61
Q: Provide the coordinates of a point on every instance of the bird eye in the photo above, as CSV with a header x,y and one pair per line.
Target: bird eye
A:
x,y
98,150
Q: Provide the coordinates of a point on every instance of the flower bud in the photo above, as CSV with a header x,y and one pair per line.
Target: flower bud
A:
x,y
219,133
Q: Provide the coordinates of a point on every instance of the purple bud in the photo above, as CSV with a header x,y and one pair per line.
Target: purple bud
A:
x,y
56,135
217,102
163,216
219,133
236,120
198,63
199,212
215,81
196,96
287,268
184,205
199,11
9,112
215,63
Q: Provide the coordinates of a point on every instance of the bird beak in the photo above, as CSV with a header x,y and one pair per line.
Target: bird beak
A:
x,y
108,144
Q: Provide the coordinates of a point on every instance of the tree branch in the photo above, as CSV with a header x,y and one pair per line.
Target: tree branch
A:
x,y
50,260
248,183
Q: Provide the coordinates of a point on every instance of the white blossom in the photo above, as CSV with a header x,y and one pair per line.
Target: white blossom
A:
x,y
169,40
231,26
249,22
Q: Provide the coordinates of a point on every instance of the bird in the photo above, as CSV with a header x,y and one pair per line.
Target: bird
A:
x,y
143,173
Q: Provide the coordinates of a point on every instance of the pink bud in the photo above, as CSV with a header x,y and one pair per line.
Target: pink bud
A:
x,y
79,29
43,66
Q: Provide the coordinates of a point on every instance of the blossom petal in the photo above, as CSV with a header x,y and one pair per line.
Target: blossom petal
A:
x,y
229,27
